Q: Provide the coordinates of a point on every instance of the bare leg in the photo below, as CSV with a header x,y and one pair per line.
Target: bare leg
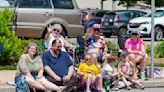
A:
x,y
143,63
124,80
34,84
99,81
49,85
89,80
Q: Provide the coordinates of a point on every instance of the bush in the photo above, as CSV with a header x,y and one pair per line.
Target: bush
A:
x,y
112,47
158,50
10,42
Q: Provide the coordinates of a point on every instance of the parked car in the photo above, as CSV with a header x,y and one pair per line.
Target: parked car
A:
x,y
33,16
116,22
143,25
92,16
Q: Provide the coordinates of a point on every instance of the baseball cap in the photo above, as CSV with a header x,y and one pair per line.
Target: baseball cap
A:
x,y
96,26
134,33
124,53
58,26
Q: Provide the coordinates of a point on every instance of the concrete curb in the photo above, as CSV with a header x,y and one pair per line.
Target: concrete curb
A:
x,y
153,83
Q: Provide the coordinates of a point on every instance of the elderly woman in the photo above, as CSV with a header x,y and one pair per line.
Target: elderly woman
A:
x,y
30,71
54,33
137,54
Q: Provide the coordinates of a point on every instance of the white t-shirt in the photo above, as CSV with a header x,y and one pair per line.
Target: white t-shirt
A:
x,y
124,67
49,44
107,68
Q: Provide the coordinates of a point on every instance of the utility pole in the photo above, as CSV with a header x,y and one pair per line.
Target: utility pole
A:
x,y
152,37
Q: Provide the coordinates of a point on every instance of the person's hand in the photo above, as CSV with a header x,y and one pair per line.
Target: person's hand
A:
x,y
49,28
57,78
66,78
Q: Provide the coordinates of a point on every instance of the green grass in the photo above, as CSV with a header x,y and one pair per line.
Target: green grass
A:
x,y
8,67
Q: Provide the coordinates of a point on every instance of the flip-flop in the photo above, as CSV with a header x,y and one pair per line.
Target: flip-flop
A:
x,y
62,89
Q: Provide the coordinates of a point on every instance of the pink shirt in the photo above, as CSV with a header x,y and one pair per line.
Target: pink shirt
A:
x,y
136,46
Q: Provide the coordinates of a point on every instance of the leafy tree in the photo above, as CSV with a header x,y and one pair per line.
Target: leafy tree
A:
x,y
158,3
11,43
127,2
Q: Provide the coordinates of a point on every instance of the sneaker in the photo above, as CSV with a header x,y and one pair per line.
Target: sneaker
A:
x,y
88,91
62,89
11,82
114,88
128,88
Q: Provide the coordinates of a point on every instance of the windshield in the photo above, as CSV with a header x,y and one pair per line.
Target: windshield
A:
x,y
158,13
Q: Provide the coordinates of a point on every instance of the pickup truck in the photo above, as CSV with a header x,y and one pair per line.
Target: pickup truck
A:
x,y
31,17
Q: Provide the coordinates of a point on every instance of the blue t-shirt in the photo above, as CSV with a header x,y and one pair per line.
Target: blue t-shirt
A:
x,y
59,65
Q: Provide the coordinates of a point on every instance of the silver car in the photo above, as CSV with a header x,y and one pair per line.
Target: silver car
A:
x,y
31,17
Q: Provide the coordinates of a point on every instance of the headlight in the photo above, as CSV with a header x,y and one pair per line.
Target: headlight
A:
x,y
145,23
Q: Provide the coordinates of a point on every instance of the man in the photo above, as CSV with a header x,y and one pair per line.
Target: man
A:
x,y
58,66
137,54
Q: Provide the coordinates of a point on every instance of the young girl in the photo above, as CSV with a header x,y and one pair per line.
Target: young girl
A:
x,y
90,73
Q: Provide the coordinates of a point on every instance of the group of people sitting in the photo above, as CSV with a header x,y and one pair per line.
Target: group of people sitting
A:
x,y
54,71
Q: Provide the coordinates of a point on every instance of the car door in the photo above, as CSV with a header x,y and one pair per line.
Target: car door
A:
x,y
66,11
31,16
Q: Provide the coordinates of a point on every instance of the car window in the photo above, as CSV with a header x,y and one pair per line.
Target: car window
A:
x,y
124,16
109,16
63,4
34,4
158,13
99,14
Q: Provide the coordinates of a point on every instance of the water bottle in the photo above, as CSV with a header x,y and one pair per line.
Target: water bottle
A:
x,y
107,85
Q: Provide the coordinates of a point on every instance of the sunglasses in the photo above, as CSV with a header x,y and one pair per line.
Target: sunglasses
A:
x,y
97,30
56,30
87,59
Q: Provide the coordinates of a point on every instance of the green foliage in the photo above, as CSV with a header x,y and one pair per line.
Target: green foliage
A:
x,y
158,50
127,2
10,42
111,46
158,3
8,67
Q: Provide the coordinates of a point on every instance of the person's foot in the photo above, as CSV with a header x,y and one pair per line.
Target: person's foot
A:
x,y
62,89
115,88
128,88
88,90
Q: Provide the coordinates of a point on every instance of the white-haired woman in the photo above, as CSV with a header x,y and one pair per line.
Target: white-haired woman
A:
x,y
54,33
30,72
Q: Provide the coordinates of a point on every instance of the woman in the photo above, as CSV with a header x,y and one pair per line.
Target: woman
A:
x,y
137,54
30,72
95,43
54,33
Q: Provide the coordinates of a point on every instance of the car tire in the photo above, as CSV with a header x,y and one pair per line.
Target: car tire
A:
x,y
122,32
107,35
158,33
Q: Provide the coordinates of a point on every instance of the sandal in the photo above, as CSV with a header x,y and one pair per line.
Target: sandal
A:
x,y
62,89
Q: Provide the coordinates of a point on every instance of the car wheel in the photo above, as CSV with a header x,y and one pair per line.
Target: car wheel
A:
x,y
158,33
63,33
122,32
107,35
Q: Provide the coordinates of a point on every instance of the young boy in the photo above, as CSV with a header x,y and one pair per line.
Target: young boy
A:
x,y
109,71
124,71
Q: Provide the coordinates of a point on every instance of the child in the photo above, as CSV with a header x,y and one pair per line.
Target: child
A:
x,y
110,72
124,70
90,73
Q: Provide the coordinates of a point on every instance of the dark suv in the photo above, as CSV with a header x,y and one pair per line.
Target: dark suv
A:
x,y
92,16
116,22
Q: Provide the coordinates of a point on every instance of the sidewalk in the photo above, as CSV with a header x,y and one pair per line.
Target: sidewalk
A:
x,y
6,76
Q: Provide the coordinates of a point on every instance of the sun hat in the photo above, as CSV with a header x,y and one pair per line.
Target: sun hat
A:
x,y
58,26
